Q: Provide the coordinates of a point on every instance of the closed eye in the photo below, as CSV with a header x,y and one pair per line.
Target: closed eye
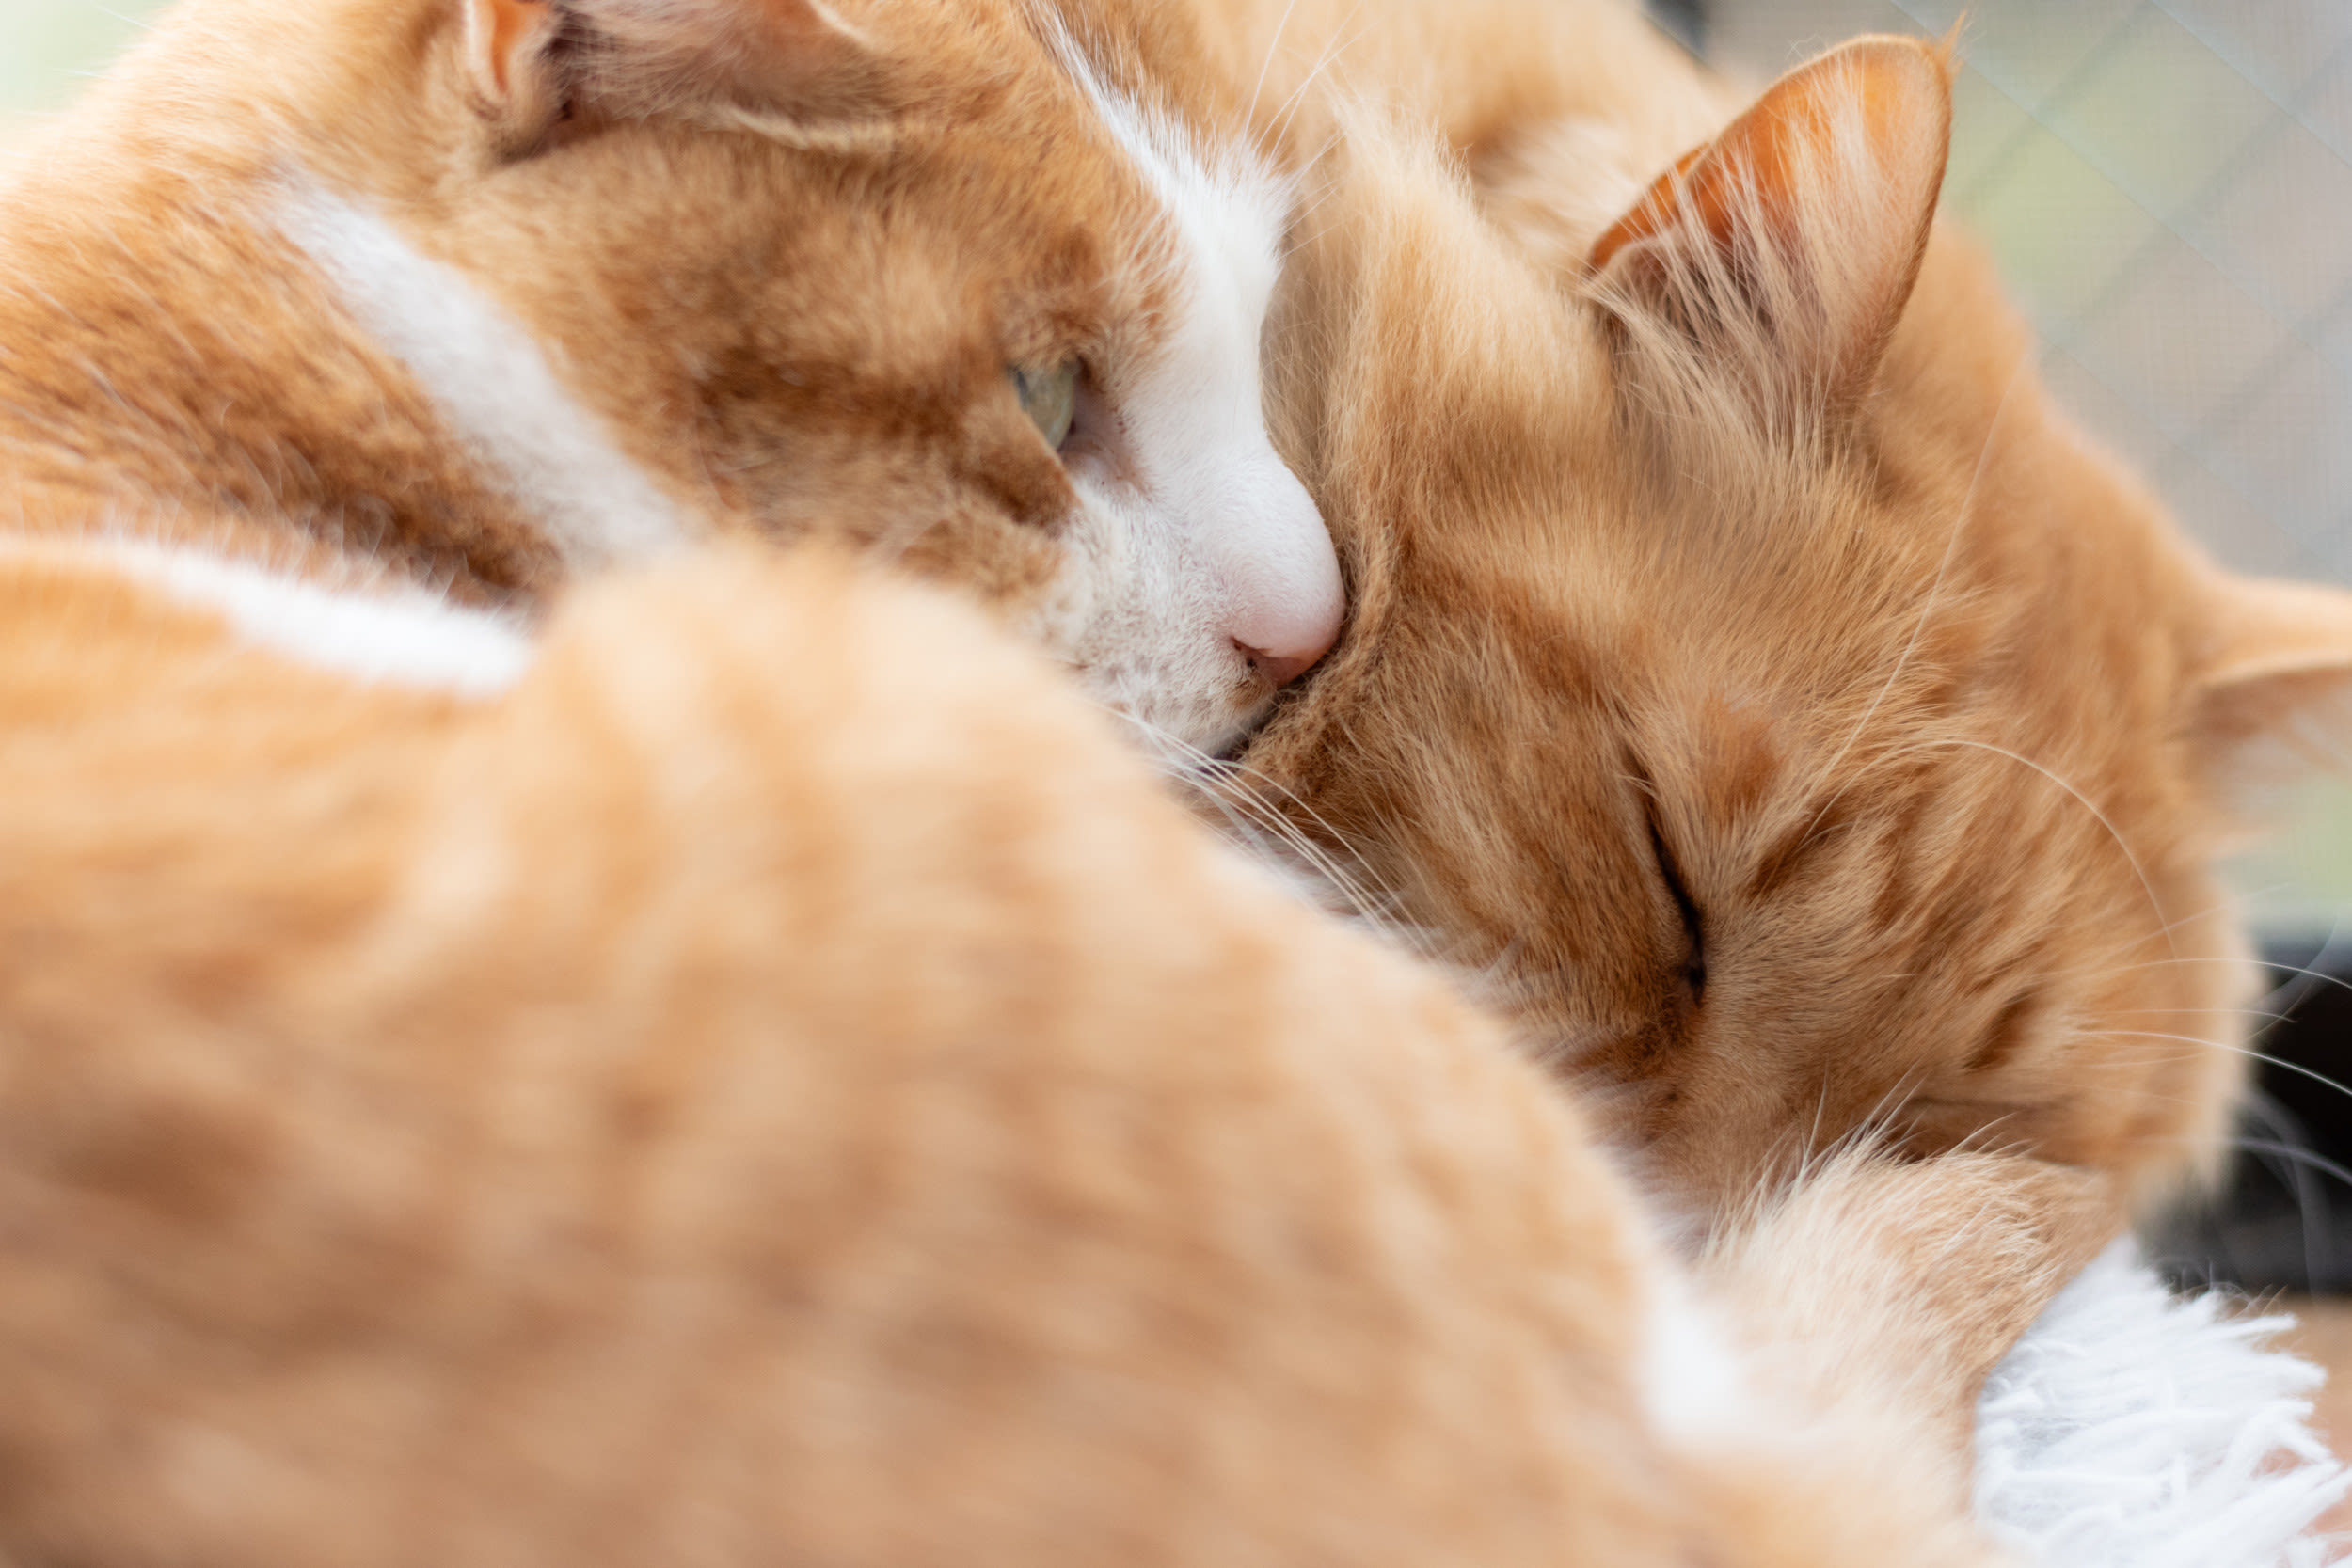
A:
x,y
1694,923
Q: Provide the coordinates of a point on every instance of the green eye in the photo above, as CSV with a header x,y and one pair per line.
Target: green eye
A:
x,y
1050,398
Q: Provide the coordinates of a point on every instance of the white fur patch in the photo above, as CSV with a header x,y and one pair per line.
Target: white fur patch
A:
x,y
1210,546
400,638
1694,1389
492,381
2130,1429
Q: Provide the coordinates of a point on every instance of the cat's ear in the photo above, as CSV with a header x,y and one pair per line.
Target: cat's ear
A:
x,y
510,64
1788,245
534,65
2273,689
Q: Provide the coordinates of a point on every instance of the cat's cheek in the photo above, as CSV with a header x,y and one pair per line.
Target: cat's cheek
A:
x,y
1134,614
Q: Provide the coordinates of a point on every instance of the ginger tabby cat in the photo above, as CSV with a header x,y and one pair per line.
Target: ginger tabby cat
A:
x,y
1793,723
757,1071
488,293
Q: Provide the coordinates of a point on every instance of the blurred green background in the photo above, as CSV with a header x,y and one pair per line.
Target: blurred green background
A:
x,y
2169,186
47,46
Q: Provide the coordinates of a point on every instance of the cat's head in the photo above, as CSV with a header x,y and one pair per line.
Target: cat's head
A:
x,y
978,287
1754,682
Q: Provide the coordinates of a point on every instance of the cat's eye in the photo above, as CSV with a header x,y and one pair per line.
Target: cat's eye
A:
x,y
1694,923
1049,397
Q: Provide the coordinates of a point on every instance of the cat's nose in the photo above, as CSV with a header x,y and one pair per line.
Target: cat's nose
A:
x,y
1279,574
1291,619
1288,601
1280,669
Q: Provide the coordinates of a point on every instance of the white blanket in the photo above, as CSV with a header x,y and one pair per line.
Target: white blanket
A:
x,y
2134,1429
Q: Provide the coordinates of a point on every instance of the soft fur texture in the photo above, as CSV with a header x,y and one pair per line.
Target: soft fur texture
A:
x,y
1752,678
490,292
722,1100
2132,1429
762,1072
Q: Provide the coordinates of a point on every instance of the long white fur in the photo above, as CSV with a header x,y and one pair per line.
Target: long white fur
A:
x,y
2130,1429
2127,1428
491,379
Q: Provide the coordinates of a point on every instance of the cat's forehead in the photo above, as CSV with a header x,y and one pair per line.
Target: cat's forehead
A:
x,y
1080,207
1688,572
1225,205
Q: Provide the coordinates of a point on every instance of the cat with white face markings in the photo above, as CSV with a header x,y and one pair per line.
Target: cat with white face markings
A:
x,y
747,1070
483,294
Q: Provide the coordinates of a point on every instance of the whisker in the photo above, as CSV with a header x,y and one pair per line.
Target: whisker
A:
x,y
1250,781
2300,1156
2304,1158
1273,47
1339,45
2311,1200
1189,765
1288,832
2247,1051
2164,928
2295,992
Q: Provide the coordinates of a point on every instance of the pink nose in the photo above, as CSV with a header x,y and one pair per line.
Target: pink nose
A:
x,y
1280,669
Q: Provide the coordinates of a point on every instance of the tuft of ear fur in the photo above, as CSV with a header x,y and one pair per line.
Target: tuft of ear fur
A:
x,y
2273,690
536,64
1788,245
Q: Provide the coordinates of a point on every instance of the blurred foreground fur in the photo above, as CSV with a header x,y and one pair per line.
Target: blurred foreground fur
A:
x,y
784,1084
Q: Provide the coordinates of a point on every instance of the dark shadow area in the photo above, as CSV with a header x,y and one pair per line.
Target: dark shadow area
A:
x,y
2283,1216
1686,20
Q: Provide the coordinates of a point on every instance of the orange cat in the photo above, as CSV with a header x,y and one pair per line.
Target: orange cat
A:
x,y
757,1073
1751,677
781,1083
493,291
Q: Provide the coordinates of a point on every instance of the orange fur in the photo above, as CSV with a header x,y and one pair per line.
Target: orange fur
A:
x,y
1752,679
782,1082
647,1115
779,260
157,194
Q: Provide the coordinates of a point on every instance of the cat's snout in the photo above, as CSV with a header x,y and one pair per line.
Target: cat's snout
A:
x,y
1282,575
1280,669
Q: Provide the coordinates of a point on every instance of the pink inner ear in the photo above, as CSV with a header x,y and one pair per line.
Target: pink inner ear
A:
x,y
1891,89
2279,651
1791,242
509,22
